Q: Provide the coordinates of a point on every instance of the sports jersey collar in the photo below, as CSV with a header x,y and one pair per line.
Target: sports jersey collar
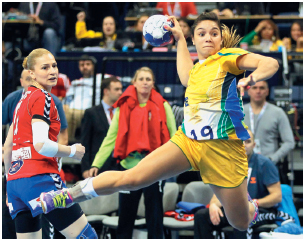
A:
x,y
211,57
202,61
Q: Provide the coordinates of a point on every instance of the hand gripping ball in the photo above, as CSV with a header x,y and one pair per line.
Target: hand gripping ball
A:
x,y
154,31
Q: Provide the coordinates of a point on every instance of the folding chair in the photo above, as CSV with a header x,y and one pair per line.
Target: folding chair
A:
x,y
196,192
171,191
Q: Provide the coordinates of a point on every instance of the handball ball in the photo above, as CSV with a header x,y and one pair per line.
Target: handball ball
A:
x,y
154,31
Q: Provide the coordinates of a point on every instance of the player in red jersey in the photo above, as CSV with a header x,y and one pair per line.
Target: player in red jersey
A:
x,y
31,156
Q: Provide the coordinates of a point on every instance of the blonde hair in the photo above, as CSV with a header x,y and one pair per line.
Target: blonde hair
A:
x,y
30,60
230,38
145,68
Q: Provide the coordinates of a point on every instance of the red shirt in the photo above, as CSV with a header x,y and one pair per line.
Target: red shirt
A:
x,y
26,161
141,129
182,8
62,85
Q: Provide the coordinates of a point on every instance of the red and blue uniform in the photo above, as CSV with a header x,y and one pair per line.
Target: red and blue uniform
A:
x,y
32,173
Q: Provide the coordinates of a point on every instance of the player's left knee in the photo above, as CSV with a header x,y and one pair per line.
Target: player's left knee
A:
x,y
88,233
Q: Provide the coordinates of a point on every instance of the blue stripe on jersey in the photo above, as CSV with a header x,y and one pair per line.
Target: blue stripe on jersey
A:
x,y
222,128
232,106
227,54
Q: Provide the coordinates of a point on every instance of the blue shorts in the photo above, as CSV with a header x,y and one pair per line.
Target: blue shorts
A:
x,y
23,194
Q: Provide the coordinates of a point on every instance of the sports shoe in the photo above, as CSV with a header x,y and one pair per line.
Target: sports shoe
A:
x,y
256,210
55,199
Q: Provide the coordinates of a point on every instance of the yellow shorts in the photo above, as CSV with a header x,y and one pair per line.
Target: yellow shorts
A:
x,y
221,162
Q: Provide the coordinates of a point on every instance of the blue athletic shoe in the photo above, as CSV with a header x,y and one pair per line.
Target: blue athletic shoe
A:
x,y
55,199
256,210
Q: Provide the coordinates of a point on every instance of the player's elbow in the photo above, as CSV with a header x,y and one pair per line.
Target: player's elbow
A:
x,y
7,145
38,146
47,148
279,198
292,145
273,63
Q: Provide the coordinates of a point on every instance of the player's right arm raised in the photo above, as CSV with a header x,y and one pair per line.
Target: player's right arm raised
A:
x,y
183,61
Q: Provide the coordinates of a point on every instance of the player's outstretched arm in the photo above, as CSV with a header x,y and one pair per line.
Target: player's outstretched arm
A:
x,y
183,62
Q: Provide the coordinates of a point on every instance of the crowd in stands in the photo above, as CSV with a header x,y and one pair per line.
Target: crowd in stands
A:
x,y
112,36
82,122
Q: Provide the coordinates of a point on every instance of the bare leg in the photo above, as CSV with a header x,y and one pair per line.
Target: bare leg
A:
x,y
32,235
74,229
166,161
238,210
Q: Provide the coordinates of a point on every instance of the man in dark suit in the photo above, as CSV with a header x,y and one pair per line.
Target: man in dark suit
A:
x,y
96,122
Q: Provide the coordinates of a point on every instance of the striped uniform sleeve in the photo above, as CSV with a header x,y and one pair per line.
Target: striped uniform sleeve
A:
x,y
39,106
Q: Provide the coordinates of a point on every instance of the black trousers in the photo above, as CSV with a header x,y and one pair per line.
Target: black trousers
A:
x,y
203,227
128,206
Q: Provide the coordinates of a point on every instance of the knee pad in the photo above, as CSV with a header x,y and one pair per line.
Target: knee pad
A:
x,y
88,233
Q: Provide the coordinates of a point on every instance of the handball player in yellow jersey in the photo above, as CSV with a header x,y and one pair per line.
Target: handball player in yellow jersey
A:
x,y
212,134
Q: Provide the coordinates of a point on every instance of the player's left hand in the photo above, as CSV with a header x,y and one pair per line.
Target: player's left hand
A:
x,y
176,29
245,83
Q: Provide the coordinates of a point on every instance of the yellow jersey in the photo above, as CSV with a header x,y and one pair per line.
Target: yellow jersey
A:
x,y
213,106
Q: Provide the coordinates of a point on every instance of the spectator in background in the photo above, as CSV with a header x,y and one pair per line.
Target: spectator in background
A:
x,y
268,123
186,31
62,86
79,96
96,11
108,35
141,42
178,9
263,186
295,41
229,9
265,36
96,122
139,28
133,136
47,17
